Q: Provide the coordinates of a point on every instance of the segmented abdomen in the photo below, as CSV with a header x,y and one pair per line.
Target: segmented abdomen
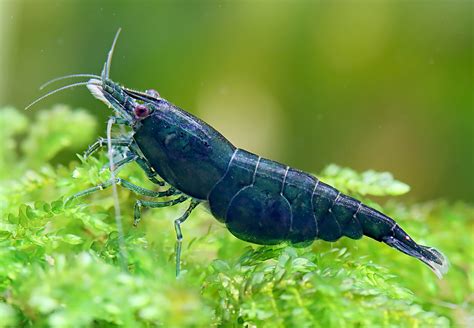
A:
x,y
265,202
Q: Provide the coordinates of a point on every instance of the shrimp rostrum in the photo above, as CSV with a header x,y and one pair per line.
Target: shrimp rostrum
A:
x,y
259,200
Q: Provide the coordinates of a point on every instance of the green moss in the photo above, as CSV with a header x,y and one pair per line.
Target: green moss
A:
x,y
59,265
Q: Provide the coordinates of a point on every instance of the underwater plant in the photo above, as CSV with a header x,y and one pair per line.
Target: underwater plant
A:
x,y
59,263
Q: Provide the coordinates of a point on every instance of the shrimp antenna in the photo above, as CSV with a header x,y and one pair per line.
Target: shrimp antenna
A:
x,y
140,95
57,90
118,218
106,70
67,77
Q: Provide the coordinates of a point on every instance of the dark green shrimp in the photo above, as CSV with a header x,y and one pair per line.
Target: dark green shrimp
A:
x,y
259,200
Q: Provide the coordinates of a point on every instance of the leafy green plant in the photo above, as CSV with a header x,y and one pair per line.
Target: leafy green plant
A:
x,y
59,264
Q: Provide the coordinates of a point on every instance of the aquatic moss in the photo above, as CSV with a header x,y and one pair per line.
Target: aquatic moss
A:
x,y
59,264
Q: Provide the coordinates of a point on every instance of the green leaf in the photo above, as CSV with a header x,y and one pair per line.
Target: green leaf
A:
x,y
56,130
366,183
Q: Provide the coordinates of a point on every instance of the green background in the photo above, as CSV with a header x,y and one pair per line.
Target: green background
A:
x,y
385,85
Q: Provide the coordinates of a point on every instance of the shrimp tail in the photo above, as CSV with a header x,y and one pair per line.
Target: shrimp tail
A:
x,y
433,258
382,228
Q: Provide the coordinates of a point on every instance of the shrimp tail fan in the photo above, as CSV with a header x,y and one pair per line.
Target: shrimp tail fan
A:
x,y
433,258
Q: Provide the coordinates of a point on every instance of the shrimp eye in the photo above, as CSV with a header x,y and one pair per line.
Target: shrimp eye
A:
x,y
141,111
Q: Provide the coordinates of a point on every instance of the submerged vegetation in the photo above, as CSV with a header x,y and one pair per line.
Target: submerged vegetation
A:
x,y
59,264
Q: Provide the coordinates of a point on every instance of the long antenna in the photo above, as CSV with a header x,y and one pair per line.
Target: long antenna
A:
x,y
67,77
110,54
118,215
57,90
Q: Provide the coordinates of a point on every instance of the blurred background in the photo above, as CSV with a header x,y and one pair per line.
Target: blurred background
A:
x,y
384,85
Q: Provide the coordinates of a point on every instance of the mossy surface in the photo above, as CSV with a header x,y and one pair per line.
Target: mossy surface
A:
x,y
59,265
